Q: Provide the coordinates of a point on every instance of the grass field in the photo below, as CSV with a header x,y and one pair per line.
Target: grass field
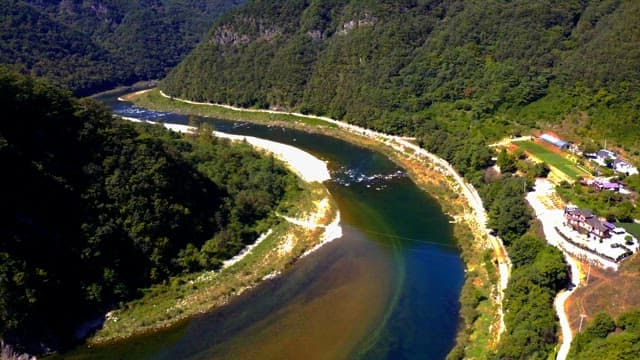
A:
x,y
632,228
153,100
551,158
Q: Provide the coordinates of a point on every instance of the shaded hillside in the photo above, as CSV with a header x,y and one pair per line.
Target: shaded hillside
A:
x,y
96,208
94,45
398,65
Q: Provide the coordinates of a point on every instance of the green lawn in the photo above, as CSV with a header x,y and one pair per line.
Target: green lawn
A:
x,y
551,158
632,228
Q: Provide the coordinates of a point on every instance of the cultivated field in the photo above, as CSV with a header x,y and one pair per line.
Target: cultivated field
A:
x,y
552,158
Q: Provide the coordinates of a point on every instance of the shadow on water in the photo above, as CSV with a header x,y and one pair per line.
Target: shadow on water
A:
x,y
388,288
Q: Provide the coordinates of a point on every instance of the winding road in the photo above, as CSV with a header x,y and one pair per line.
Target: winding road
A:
x,y
549,217
567,334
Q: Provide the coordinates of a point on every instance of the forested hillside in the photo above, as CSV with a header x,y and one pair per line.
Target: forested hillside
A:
x,y
95,208
93,45
483,67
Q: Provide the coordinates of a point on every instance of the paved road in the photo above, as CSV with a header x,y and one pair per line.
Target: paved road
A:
x,y
549,217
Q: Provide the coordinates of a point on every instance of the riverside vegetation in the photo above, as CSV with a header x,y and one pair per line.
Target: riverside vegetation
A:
x,y
478,307
539,269
97,209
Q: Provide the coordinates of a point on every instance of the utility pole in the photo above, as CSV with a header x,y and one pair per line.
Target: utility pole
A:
x,y
588,275
582,316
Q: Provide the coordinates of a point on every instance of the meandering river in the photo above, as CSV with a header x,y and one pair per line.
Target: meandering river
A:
x,y
388,289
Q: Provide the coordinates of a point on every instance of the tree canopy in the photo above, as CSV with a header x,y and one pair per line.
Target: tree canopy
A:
x,y
88,46
96,208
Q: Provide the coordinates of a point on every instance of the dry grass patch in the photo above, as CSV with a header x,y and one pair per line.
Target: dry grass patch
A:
x,y
608,291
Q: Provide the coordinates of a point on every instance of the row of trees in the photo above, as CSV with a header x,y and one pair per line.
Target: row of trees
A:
x,y
539,272
95,209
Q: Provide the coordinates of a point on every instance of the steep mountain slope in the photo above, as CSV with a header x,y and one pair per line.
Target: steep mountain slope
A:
x,y
95,208
395,65
92,45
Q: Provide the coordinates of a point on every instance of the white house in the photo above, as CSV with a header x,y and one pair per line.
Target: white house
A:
x,y
617,164
624,167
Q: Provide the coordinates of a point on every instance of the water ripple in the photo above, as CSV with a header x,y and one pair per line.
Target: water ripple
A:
x,y
140,113
346,177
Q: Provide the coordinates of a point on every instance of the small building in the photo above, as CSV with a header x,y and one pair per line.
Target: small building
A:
x,y
585,222
601,185
611,159
603,155
624,167
554,141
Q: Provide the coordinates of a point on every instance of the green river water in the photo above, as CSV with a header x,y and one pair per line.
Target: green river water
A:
x,y
388,289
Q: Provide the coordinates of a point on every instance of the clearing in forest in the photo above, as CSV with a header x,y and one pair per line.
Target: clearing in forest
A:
x,y
609,291
552,158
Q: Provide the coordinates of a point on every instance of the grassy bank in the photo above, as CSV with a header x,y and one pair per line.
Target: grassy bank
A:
x,y
632,228
185,296
479,311
153,100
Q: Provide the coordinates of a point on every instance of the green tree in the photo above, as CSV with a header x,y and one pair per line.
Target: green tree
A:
x,y
525,250
506,162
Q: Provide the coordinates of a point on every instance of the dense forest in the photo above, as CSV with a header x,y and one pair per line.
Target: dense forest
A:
x,y
94,45
95,208
485,67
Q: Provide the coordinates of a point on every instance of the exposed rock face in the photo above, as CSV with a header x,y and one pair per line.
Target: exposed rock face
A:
x,y
225,35
316,35
228,34
366,20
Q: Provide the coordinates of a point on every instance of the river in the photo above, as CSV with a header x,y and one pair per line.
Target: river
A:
x,y
388,289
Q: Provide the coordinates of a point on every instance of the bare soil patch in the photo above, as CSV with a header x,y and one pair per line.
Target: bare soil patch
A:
x,y
607,290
